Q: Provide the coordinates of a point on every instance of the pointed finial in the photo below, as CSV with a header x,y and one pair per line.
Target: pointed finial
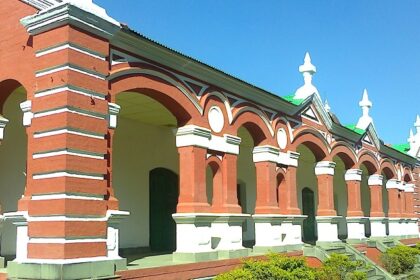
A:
x,y
307,65
327,106
417,123
365,104
411,138
307,69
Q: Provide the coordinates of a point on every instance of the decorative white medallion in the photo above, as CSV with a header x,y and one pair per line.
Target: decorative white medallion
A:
x,y
282,138
216,119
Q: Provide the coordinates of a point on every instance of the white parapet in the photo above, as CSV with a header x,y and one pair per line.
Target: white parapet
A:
x,y
356,228
378,226
277,230
327,228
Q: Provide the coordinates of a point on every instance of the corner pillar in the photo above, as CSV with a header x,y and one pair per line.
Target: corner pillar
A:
x,y
395,222
411,219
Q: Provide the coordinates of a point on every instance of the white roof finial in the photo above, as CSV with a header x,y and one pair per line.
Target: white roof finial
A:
x,y
417,124
411,138
365,104
307,69
327,106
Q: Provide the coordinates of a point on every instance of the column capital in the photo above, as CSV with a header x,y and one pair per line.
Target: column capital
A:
x,y
114,110
266,153
192,135
290,158
409,188
393,184
26,108
325,168
353,175
375,180
3,123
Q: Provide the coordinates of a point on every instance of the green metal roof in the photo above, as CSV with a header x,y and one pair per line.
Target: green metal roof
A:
x,y
353,127
291,99
403,148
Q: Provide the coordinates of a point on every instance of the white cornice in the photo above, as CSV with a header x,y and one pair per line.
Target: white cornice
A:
x,y
41,4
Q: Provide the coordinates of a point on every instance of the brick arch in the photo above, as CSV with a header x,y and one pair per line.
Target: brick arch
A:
x,y
283,123
345,152
207,97
215,100
369,160
6,88
160,87
388,168
256,123
313,140
407,176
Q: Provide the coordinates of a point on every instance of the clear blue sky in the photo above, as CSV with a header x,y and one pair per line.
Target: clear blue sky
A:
x,y
354,44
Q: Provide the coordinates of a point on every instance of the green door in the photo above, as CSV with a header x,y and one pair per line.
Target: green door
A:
x,y
308,204
163,200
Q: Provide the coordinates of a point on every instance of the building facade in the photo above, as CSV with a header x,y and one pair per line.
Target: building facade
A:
x,y
111,141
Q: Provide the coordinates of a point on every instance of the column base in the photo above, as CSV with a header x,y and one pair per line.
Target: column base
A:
x,y
356,229
226,235
396,227
71,271
327,228
193,235
378,227
277,233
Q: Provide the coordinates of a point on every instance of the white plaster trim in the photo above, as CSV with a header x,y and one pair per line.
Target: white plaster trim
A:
x,y
26,108
64,241
265,153
409,188
114,110
66,88
192,135
68,46
68,261
65,110
67,67
393,184
64,131
290,158
353,175
3,123
65,196
65,152
376,180
66,174
325,168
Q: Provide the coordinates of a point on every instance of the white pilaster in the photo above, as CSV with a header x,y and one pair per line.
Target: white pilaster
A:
x,y
114,110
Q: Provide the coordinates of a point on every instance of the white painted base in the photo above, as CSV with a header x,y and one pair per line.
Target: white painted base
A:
x,y
396,227
378,226
112,241
413,227
327,228
20,220
226,231
356,228
277,230
193,232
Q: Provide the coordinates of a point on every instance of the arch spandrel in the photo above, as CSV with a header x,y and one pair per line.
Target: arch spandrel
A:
x,y
388,169
369,160
345,152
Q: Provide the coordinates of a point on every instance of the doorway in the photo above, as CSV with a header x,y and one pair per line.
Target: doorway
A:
x,y
308,204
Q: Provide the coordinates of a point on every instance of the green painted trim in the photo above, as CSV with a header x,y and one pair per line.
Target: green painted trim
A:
x,y
78,110
88,270
70,129
353,128
195,257
72,87
71,65
77,46
291,99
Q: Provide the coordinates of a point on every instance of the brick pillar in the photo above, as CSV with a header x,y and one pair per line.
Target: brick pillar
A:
x,y
409,201
394,198
67,180
353,178
288,201
265,159
192,180
375,183
324,171
225,198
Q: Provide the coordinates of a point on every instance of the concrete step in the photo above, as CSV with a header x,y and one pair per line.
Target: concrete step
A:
x,y
376,277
